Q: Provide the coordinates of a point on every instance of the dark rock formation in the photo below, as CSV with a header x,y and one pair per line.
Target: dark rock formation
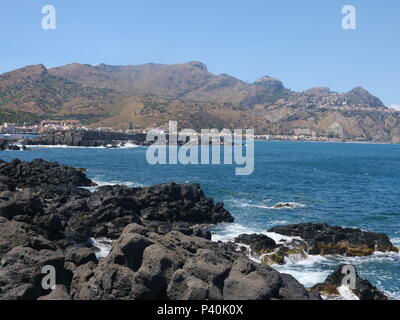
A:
x,y
364,290
59,293
258,243
146,265
88,139
293,249
65,214
80,256
324,239
268,251
41,173
160,248
5,144
160,251
21,272
163,208
14,234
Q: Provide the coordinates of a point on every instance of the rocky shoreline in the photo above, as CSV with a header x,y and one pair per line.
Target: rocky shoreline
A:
x,y
6,145
88,139
161,246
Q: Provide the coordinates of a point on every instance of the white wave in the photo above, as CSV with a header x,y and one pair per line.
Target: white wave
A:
x,y
289,205
396,242
307,277
376,257
229,232
127,145
277,222
392,295
115,182
61,146
280,238
310,269
278,206
346,293
102,245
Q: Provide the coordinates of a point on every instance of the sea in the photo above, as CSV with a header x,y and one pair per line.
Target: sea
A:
x,y
342,184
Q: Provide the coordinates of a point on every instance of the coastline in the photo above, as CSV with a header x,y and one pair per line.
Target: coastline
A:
x,y
200,232
333,141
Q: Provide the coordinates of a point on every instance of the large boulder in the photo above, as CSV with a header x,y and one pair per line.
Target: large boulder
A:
x,y
14,234
21,273
364,290
322,239
19,204
79,256
169,202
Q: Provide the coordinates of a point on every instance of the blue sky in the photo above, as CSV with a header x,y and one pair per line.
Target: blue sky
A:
x,y
300,42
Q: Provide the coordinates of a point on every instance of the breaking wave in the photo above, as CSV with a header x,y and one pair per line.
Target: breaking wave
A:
x,y
312,269
60,146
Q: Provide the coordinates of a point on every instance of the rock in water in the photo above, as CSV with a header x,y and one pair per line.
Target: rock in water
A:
x,y
259,243
324,239
41,173
75,214
364,290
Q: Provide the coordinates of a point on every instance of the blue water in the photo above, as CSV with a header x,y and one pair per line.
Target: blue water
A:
x,y
354,185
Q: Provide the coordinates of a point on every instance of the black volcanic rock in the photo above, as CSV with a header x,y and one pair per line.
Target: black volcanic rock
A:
x,y
59,293
41,173
21,272
52,221
61,213
77,214
88,139
111,208
80,256
146,265
160,249
4,145
258,243
14,234
364,290
324,239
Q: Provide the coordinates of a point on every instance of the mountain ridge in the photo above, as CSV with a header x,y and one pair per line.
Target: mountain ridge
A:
x,y
152,94
191,81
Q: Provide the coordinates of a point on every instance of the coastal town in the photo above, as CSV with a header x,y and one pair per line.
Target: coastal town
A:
x,y
63,127
47,126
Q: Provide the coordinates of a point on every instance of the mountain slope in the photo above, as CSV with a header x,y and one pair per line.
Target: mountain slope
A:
x,y
190,81
151,95
33,90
